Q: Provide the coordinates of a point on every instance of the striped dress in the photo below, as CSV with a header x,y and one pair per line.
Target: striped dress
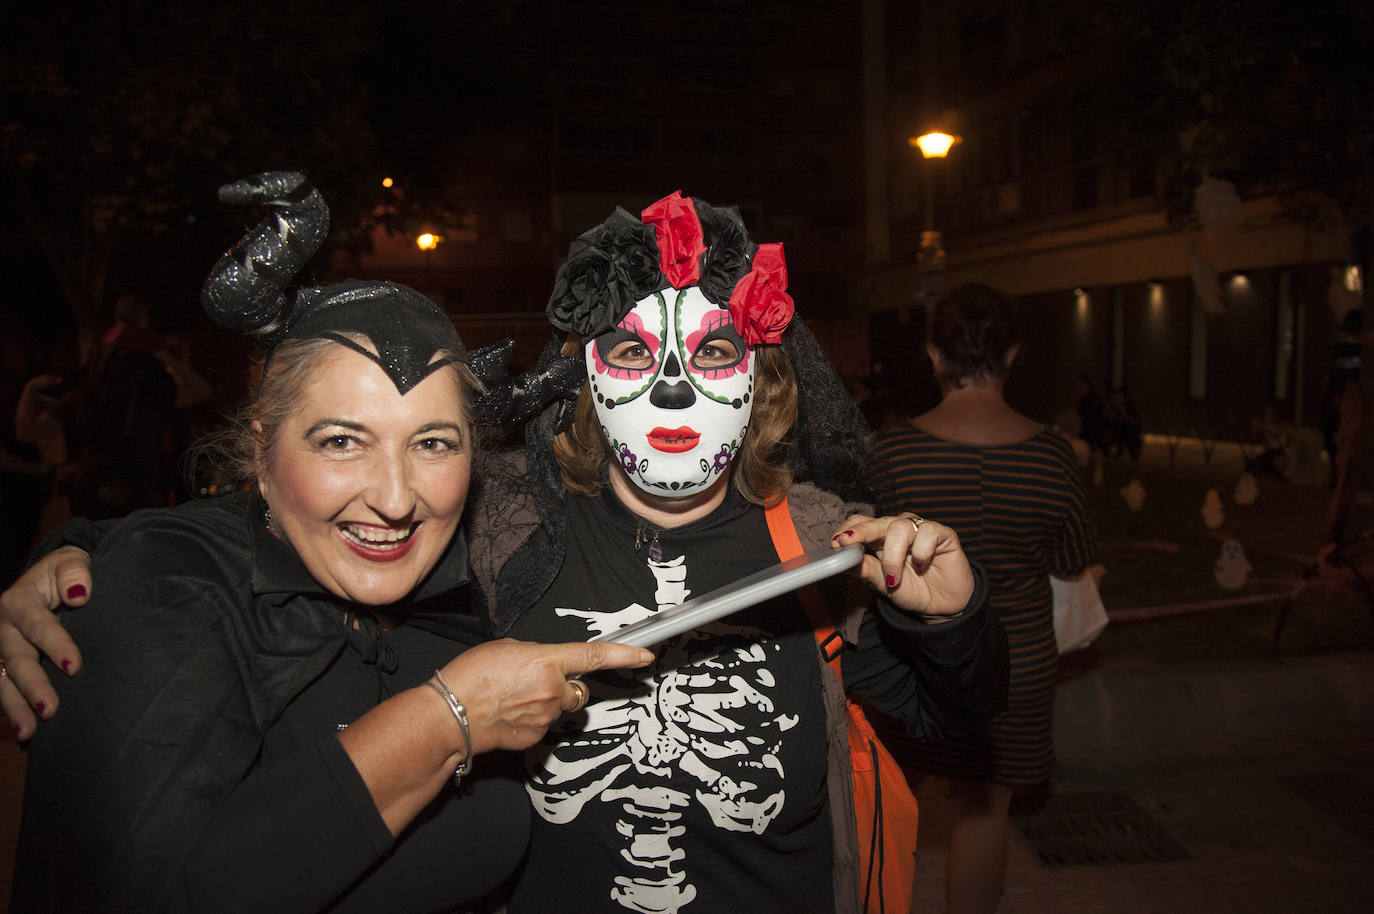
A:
x,y
1019,509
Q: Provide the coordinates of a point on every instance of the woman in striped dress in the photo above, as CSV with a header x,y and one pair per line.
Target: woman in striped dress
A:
x,y
1011,489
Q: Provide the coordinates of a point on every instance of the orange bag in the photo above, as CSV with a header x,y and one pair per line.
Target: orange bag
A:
x,y
884,806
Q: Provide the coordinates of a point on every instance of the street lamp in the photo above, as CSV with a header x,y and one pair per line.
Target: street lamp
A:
x,y
933,145
427,242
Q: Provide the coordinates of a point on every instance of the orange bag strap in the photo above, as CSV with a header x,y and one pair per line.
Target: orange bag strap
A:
x,y
788,545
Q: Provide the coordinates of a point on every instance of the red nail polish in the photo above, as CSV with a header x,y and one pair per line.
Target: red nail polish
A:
x,y
76,591
849,533
67,667
920,569
891,581
40,708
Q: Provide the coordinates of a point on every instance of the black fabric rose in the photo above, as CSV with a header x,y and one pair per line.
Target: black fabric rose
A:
x,y
728,250
609,268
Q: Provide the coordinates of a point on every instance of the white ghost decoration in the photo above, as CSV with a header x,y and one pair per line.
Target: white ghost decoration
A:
x,y
1213,514
1232,569
1247,490
1133,493
1217,204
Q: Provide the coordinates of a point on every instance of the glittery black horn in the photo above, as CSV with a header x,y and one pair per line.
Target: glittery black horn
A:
x,y
515,400
246,291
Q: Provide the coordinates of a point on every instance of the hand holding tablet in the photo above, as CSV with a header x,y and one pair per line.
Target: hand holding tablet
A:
x,y
782,578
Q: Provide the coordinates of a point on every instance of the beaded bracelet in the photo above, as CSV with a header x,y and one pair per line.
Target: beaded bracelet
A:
x,y
460,714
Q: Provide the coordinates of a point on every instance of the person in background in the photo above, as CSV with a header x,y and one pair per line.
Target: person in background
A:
x,y
1012,489
1126,436
1094,417
1275,436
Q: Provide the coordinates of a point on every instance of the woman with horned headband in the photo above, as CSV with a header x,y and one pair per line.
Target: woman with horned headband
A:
x,y
709,420
279,689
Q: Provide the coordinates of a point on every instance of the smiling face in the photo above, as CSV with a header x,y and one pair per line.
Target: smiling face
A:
x,y
673,384
368,485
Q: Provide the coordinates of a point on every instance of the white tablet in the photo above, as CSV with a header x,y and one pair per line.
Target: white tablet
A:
x,y
782,578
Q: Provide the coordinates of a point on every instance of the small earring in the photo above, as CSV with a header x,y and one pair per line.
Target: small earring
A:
x,y
267,518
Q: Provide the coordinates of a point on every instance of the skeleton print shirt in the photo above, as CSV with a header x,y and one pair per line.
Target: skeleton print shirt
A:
x,y
682,786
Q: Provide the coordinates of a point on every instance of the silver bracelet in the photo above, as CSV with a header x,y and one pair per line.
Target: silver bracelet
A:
x,y
460,714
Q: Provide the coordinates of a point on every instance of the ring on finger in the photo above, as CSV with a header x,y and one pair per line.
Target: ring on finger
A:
x,y
583,693
916,521
4,670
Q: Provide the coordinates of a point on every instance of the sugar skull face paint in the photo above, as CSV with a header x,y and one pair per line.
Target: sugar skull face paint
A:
x,y
673,384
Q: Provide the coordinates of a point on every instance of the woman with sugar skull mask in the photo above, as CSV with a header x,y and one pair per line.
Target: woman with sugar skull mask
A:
x,y
705,785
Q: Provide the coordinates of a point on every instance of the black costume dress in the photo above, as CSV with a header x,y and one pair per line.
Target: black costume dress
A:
x,y
195,764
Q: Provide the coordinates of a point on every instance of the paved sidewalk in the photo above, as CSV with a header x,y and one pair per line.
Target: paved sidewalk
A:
x,y
1259,772
1270,825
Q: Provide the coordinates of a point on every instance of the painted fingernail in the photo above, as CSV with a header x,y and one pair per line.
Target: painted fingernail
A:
x,y
67,667
891,581
40,707
920,569
849,533
76,591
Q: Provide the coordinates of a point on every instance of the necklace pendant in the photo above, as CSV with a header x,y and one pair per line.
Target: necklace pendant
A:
x,y
656,549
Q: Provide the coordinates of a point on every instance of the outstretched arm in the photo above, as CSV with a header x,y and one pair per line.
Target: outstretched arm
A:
x,y
308,822
408,746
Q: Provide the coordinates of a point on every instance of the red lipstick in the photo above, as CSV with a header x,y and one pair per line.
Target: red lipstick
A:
x,y
392,552
673,440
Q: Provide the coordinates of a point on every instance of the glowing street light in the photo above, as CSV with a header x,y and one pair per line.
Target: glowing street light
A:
x,y
935,145
427,242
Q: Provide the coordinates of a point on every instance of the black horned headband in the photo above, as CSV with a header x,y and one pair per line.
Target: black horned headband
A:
x,y
249,292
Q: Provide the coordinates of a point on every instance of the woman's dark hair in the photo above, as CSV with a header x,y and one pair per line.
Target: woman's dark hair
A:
x,y
973,330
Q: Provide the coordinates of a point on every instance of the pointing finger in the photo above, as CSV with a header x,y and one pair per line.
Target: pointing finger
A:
x,y
601,655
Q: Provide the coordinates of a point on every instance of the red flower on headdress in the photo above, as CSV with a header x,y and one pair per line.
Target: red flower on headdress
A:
x,y
678,232
759,304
